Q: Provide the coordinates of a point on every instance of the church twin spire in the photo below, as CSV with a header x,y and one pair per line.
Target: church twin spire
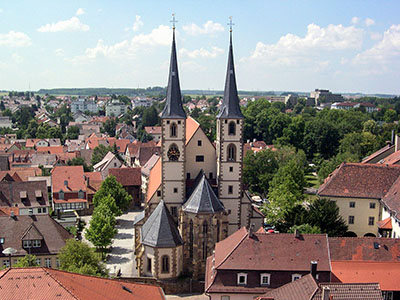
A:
x,y
230,107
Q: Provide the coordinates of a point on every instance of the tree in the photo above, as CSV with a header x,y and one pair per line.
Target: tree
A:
x,y
99,152
150,116
79,161
102,226
324,213
305,228
111,187
72,132
28,260
78,257
390,116
258,170
109,126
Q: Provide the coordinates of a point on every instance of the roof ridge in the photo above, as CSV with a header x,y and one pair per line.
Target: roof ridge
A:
x,y
234,248
59,282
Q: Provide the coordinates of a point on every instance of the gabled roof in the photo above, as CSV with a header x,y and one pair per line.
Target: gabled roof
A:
x,y
127,176
72,174
392,199
358,180
203,199
230,107
173,103
391,159
11,191
388,148
50,284
160,230
350,291
32,233
191,127
385,224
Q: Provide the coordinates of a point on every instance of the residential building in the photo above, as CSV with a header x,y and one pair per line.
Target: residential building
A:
x,y
154,131
131,180
30,198
68,189
36,283
139,101
5,122
83,105
194,183
109,161
39,235
115,108
323,96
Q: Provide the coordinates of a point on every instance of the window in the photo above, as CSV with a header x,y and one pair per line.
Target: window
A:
x,y
174,211
199,158
372,205
47,262
205,250
295,277
199,143
149,264
61,195
165,264
352,204
36,243
179,122
81,194
6,263
39,261
1,240
371,221
265,279
175,190
225,298
27,244
187,175
230,169
232,128
242,279
231,152
351,219
230,189
205,227
39,210
44,210
158,193
218,230
210,175
191,234
173,130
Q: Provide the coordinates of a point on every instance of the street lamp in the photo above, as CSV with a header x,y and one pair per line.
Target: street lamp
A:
x,y
9,251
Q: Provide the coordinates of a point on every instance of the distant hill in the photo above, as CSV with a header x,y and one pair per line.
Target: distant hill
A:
x,y
103,91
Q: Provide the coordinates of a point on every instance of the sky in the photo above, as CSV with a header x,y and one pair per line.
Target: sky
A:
x,y
281,45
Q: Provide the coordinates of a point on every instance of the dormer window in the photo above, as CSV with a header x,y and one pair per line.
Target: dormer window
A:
x,y
265,279
242,279
38,194
296,277
31,244
80,194
23,195
61,195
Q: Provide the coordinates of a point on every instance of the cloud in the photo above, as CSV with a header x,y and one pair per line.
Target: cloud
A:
x,y
107,51
137,24
158,36
73,24
59,52
292,49
355,20
201,53
375,36
369,22
80,12
384,52
15,39
208,28
17,58
1,10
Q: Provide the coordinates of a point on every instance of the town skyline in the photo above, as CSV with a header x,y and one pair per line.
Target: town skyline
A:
x,y
278,46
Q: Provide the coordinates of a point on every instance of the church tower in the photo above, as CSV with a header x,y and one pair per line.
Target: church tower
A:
x,y
173,137
229,146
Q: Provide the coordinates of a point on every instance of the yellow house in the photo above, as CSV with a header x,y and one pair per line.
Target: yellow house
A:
x,y
358,190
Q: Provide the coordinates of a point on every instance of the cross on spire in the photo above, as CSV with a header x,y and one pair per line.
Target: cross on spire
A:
x,y
230,23
173,21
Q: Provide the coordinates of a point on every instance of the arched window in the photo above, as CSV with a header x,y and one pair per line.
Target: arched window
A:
x,y
218,230
231,152
205,249
173,129
191,239
61,195
232,128
81,194
165,264
205,227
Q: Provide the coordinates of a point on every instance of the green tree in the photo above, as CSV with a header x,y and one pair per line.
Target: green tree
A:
x,y
328,166
72,132
99,152
28,260
109,126
258,170
390,116
111,187
324,213
79,161
150,116
305,228
78,257
208,124
102,226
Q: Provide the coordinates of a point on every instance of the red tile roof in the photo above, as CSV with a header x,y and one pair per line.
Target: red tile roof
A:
x,y
127,176
154,180
191,127
387,274
51,150
153,129
391,159
392,199
43,283
385,224
350,291
360,180
72,174
363,249
388,148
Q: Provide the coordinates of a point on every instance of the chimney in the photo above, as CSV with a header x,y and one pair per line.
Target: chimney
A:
x,y
326,292
297,233
393,138
251,230
66,183
313,269
396,142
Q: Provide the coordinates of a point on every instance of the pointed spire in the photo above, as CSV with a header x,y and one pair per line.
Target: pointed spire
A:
x,y
173,106
230,107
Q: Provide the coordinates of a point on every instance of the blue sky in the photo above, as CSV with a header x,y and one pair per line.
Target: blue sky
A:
x,y
344,46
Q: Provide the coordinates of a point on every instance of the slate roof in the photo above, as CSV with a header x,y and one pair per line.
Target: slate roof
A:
x,y
363,249
127,176
10,194
359,180
203,199
160,230
230,107
43,227
173,107
42,283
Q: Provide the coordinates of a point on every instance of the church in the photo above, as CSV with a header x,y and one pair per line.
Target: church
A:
x,y
195,196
